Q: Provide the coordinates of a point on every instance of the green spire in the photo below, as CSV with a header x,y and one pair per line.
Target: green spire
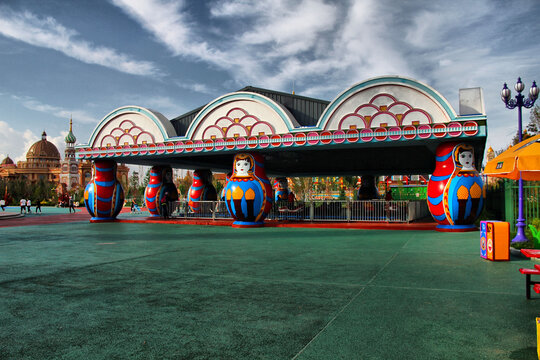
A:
x,y
70,138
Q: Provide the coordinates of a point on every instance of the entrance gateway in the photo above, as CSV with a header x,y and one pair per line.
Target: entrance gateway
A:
x,y
383,126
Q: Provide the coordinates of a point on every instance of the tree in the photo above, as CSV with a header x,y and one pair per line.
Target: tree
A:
x,y
533,127
185,183
302,187
135,191
350,182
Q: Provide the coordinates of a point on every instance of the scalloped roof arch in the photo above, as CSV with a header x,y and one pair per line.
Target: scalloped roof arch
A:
x,y
383,83
152,121
202,120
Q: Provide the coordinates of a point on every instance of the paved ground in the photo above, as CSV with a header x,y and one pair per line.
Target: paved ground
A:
x,y
83,290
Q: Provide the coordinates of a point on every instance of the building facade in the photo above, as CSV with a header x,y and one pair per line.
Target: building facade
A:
x,y
43,162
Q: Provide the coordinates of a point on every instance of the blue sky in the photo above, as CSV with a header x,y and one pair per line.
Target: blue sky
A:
x,y
86,58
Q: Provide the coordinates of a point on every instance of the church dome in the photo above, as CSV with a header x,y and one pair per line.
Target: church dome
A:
x,y
7,162
43,149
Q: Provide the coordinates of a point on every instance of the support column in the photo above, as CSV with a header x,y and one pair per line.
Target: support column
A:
x,y
248,194
202,189
455,190
104,195
160,185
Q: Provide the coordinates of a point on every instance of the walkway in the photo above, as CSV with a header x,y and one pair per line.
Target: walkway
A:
x,y
84,290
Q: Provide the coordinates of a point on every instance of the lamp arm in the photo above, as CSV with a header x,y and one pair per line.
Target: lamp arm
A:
x,y
529,103
511,104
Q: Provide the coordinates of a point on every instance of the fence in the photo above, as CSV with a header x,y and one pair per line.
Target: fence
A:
x,y
531,201
324,210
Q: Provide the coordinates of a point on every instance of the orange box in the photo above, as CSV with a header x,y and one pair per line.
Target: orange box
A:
x,y
497,240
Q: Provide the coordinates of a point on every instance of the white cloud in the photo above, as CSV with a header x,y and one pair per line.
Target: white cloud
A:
x,y
14,143
170,26
287,27
431,27
165,105
48,33
59,112
196,87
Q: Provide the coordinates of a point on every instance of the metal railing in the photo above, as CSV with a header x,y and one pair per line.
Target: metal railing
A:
x,y
531,201
321,210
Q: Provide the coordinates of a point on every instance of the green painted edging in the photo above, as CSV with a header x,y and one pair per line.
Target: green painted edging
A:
x,y
391,80
229,97
124,110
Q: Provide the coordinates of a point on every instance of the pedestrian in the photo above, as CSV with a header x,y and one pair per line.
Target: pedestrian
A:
x,y
38,205
165,206
3,204
132,205
23,205
29,205
71,204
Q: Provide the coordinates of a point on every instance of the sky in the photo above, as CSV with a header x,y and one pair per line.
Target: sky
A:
x,y
85,58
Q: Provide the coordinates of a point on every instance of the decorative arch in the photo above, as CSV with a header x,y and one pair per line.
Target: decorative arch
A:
x,y
131,125
385,102
241,114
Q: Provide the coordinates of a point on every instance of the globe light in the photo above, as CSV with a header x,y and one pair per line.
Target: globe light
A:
x,y
533,92
519,85
505,93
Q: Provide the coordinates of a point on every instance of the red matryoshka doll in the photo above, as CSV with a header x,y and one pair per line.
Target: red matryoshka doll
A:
x,y
201,189
104,195
160,184
455,190
248,191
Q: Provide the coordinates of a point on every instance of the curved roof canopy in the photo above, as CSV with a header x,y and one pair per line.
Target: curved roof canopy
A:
x,y
384,125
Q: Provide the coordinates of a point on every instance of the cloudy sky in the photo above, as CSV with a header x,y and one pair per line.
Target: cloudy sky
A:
x,y
85,58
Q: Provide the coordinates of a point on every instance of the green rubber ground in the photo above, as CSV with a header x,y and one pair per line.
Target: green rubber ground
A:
x,y
159,291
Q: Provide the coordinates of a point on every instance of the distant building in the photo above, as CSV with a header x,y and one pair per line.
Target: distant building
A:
x,y
43,162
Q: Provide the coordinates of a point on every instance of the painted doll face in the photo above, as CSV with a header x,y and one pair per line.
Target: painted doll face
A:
x,y
242,167
466,160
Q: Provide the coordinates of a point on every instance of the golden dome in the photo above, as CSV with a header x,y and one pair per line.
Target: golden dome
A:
x,y
43,149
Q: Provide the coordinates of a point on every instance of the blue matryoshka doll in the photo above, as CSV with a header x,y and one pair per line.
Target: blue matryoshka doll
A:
x,y
463,196
248,191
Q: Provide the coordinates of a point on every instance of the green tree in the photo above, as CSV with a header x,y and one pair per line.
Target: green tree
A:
x,y
185,183
350,182
533,127
302,187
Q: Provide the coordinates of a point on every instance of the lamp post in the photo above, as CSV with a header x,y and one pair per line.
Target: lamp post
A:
x,y
520,102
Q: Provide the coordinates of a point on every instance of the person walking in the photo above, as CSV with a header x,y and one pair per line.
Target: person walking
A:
x,y
38,206
29,205
165,206
71,204
3,204
23,205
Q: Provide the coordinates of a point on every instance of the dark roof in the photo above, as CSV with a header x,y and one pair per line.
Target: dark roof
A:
x,y
305,110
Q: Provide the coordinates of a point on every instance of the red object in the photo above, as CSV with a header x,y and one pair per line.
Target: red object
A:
x,y
529,271
444,168
531,253
528,281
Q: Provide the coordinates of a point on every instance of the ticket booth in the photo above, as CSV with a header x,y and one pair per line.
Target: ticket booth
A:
x,y
495,240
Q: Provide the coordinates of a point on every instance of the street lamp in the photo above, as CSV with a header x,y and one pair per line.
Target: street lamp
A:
x,y
520,102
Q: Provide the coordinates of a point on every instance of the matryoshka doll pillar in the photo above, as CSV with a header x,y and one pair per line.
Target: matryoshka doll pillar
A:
x,y
248,193
202,189
104,195
160,185
455,190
